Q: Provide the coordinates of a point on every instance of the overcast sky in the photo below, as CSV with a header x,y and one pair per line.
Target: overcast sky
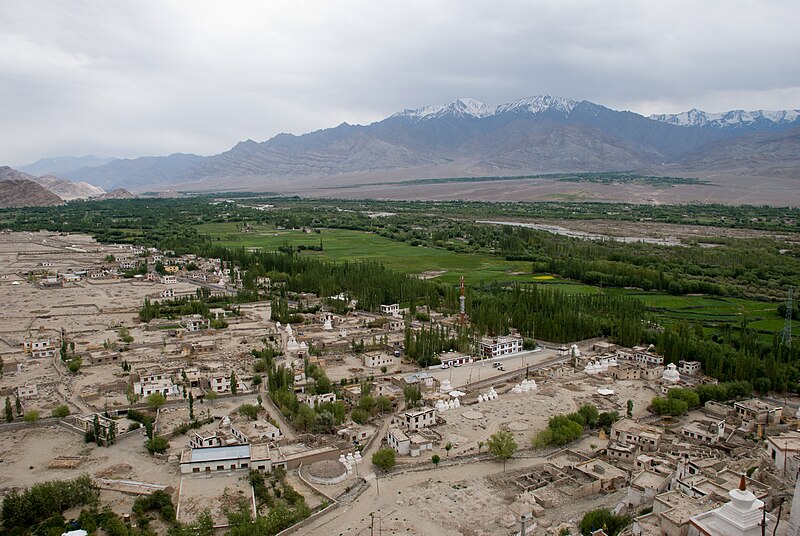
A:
x,y
131,78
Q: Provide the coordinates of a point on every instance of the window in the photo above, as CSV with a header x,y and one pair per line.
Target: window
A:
x,y
195,469
220,468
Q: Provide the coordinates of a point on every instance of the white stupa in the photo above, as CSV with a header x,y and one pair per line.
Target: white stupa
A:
x,y
343,333
291,344
591,369
328,325
671,374
741,516
528,386
445,386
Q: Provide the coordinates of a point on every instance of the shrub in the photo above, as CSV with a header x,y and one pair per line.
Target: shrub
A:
x,y
158,444
156,400
61,411
669,406
384,459
602,518
249,410
359,416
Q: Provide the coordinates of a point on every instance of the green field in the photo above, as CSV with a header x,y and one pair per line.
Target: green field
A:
x,y
343,244
711,311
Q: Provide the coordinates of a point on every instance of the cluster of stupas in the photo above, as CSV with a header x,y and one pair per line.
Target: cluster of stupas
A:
x,y
292,346
526,386
600,366
442,406
489,395
350,460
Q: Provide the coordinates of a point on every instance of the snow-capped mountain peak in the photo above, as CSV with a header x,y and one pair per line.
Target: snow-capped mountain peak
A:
x,y
468,107
539,104
733,118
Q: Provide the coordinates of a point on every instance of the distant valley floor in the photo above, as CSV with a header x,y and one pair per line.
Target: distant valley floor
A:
x,y
729,188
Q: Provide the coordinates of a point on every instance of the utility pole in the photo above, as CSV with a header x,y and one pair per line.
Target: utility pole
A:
x,y
522,523
371,524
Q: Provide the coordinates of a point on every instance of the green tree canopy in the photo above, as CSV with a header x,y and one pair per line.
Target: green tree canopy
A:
x,y
384,459
502,445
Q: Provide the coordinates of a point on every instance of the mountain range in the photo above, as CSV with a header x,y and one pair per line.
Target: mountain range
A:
x,y
467,138
22,189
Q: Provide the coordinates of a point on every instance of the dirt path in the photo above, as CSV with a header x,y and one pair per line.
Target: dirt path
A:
x,y
286,428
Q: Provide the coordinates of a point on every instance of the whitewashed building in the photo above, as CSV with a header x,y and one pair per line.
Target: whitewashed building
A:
x,y
419,418
491,347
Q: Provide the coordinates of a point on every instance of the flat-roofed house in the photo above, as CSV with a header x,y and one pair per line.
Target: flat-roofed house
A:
x,y
629,431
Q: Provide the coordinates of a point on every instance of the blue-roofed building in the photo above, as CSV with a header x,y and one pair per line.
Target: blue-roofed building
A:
x,y
226,458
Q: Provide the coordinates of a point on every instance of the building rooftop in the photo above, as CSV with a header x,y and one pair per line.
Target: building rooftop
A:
x,y
212,454
417,412
648,480
629,425
600,470
622,447
684,507
788,441
754,404
398,434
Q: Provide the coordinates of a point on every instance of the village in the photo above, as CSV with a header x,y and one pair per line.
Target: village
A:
x,y
90,387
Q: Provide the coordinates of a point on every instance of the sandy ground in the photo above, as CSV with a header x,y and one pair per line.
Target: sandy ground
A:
x,y
727,189
222,491
448,501
27,453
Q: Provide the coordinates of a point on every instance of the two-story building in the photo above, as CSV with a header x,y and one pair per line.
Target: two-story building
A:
x,y
491,347
378,359
392,309
416,419
195,323
221,383
758,411
690,368
644,435
39,348
784,451
706,431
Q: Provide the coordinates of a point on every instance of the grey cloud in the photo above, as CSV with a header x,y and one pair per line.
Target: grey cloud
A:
x,y
133,78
